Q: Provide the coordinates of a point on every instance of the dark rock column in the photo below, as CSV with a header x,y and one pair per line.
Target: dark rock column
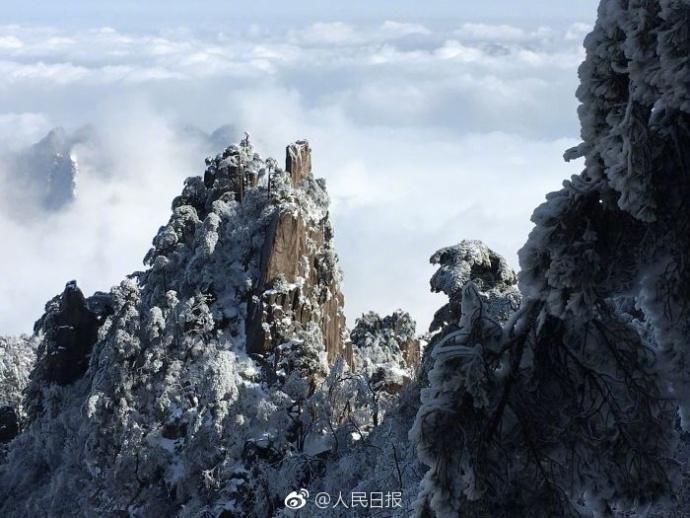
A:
x,y
71,330
9,424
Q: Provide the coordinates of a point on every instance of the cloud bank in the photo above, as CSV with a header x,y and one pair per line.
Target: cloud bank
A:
x,y
426,135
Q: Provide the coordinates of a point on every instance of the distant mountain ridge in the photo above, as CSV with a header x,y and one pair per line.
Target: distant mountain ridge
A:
x,y
43,177
45,174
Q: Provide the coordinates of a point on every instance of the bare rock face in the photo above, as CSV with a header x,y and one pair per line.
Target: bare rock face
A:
x,y
285,244
299,278
298,161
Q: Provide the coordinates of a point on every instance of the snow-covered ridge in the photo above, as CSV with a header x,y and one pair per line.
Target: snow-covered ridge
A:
x,y
220,348
222,377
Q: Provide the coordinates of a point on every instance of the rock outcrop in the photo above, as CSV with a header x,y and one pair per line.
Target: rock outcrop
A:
x,y
387,353
200,386
391,338
70,329
45,174
67,333
298,161
298,275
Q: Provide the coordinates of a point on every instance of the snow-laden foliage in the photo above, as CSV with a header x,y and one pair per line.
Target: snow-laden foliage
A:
x,y
383,340
386,458
170,415
473,260
496,284
568,409
386,353
17,357
385,461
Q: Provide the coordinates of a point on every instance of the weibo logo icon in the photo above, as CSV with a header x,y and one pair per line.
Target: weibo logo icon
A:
x,y
297,499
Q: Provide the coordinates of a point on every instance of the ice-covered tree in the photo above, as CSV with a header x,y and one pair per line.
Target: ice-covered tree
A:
x,y
386,457
386,352
17,357
568,409
149,400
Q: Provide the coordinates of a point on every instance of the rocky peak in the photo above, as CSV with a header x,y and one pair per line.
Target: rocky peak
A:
x,y
299,280
392,337
263,239
55,142
298,161
40,178
387,353
69,329
228,353
49,171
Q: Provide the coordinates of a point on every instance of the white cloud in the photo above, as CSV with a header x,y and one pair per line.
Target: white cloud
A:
x,y
426,136
392,29
326,33
453,49
339,33
577,31
16,129
108,230
10,42
482,31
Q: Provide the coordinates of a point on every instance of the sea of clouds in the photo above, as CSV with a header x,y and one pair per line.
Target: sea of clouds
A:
x,y
426,133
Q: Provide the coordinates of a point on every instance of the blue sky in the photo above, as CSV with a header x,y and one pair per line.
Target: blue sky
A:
x,y
430,124
215,13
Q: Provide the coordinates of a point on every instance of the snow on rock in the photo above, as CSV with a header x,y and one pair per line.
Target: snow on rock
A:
x,y
472,260
387,353
568,407
391,339
17,357
495,284
212,382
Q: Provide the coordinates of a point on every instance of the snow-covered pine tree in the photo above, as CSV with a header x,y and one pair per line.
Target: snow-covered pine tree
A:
x,y
568,409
